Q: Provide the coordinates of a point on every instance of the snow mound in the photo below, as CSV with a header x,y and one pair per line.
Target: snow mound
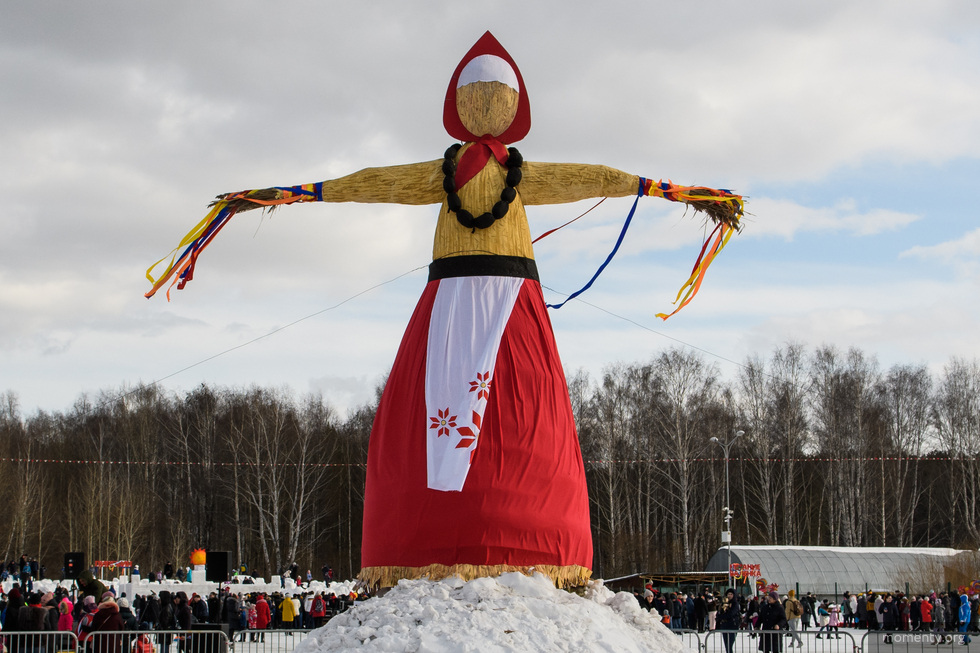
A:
x,y
510,613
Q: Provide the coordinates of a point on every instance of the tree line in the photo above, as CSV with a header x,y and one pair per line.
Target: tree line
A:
x,y
834,451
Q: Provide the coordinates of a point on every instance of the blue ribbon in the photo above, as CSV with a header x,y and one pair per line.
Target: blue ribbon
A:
x,y
602,267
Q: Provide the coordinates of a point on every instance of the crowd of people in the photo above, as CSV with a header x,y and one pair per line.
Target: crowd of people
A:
x,y
25,570
939,614
93,608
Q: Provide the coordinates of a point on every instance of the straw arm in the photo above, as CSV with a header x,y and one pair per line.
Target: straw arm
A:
x,y
557,183
560,183
413,183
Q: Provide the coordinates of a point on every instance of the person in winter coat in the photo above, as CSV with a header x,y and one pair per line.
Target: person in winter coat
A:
x,y
889,614
182,612
835,621
83,628
65,624
823,618
126,614
794,613
905,613
772,617
938,621
11,617
199,609
230,614
107,620
712,605
915,613
306,614
861,612
675,608
50,605
263,615
952,612
214,608
964,618
65,620
151,612
90,586
729,618
298,609
287,612
845,608
318,610
752,615
167,620
925,611
809,610
32,617
700,611
253,620
646,602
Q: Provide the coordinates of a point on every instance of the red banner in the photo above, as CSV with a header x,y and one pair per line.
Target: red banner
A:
x,y
740,571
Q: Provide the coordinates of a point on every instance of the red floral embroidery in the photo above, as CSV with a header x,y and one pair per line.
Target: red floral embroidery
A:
x,y
469,435
444,422
481,385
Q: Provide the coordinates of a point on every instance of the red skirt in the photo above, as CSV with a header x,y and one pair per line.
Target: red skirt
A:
x,y
524,504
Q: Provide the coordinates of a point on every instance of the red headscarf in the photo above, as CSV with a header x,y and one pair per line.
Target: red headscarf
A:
x,y
485,145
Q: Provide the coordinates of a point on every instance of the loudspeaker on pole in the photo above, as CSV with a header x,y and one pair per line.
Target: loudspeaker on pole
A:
x,y
74,564
218,566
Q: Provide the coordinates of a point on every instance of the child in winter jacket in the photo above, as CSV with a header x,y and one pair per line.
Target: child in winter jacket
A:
x,y
833,624
65,620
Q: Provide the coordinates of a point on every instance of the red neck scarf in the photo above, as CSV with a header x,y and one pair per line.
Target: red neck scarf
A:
x,y
476,156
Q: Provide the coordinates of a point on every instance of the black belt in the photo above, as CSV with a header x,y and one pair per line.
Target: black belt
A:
x,y
483,265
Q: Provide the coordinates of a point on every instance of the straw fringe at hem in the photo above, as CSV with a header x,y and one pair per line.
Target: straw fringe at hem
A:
x,y
563,576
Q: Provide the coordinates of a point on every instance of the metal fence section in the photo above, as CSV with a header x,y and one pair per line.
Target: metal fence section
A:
x,y
37,642
912,641
779,641
691,638
267,641
199,640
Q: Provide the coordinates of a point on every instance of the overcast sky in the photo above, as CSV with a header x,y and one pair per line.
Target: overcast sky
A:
x,y
852,126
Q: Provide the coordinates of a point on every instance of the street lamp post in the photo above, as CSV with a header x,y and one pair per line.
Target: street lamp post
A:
x,y
726,535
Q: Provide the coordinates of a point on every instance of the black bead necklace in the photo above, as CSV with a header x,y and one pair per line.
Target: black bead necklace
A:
x,y
507,195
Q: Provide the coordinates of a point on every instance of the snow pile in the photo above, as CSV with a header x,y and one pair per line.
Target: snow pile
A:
x,y
510,613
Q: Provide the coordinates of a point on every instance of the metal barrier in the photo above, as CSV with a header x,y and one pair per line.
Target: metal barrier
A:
x,y
911,641
267,641
38,642
690,637
812,641
206,639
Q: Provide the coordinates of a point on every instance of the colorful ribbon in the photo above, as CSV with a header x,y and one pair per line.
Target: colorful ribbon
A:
x,y
619,241
181,269
722,206
722,234
703,199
